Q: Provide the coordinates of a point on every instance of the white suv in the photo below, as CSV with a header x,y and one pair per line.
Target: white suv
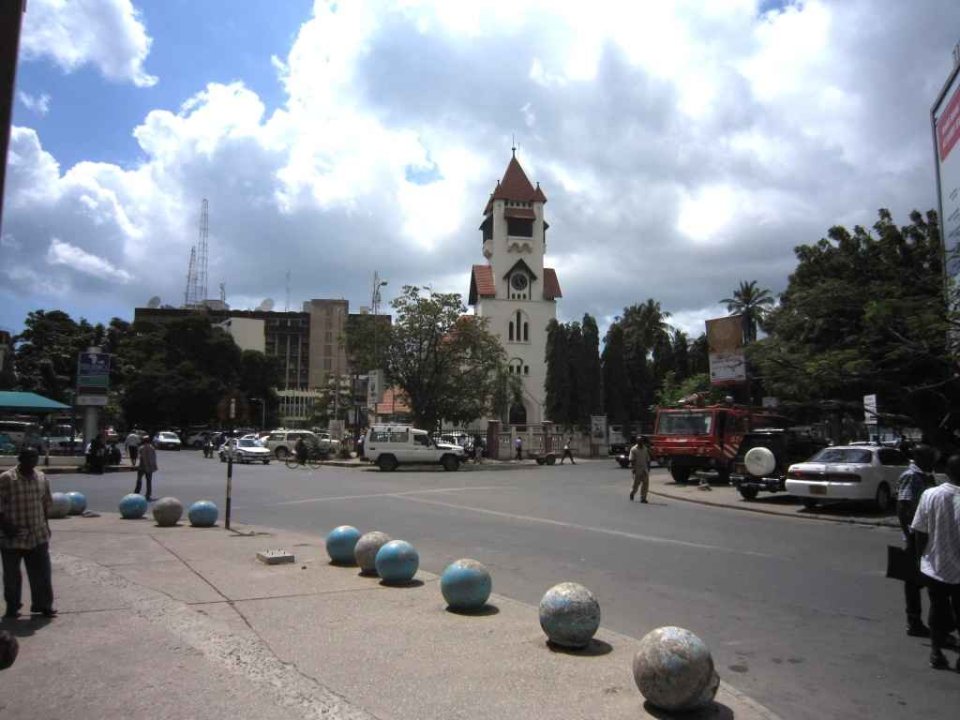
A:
x,y
283,442
388,446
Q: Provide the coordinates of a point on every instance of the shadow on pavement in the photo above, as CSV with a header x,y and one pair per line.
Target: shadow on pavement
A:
x,y
487,610
713,711
596,648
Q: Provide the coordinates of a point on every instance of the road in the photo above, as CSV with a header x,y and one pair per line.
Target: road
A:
x,y
797,612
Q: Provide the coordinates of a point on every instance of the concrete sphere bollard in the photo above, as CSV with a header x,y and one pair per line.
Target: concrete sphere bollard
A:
x,y
133,506
59,506
203,513
674,670
9,649
569,615
366,549
341,542
78,502
167,511
466,585
397,562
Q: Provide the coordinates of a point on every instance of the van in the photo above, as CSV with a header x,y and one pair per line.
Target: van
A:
x,y
22,432
389,446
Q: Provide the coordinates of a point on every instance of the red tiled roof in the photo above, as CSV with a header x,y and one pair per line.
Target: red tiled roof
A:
x,y
481,283
551,286
515,186
520,213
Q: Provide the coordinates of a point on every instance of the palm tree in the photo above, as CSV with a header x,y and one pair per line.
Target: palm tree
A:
x,y
752,303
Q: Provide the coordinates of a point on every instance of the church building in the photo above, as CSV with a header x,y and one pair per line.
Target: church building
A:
x,y
513,289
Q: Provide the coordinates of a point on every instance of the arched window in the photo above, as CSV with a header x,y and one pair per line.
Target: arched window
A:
x,y
518,329
510,335
526,332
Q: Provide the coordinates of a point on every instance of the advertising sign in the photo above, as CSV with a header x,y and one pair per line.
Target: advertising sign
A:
x,y
93,372
374,388
946,136
728,366
870,409
598,427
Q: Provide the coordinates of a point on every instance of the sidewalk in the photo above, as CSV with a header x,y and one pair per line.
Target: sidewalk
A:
x,y
661,483
185,622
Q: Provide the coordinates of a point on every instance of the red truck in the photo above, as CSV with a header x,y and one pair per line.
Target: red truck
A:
x,y
687,439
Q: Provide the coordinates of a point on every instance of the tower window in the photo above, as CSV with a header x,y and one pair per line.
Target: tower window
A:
x,y
518,227
510,335
526,334
526,369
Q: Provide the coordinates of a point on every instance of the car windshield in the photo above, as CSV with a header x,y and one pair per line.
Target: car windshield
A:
x,y
168,436
842,456
685,423
250,443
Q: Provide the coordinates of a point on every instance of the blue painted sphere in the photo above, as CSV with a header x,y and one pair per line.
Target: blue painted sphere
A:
x,y
366,549
466,585
167,511
203,513
397,562
133,506
78,502
59,506
569,615
341,542
674,670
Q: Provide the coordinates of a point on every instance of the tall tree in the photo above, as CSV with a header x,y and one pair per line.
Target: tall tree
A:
x,y
47,351
864,313
616,379
590,372
447,364
752,304
557,383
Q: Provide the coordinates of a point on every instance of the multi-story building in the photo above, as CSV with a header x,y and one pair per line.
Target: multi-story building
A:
x,y
514,290
310,345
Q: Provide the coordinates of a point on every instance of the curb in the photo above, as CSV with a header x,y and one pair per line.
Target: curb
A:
x,y
469,467
764,511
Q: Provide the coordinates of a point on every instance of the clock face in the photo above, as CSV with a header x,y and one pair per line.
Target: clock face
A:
x,y
519,281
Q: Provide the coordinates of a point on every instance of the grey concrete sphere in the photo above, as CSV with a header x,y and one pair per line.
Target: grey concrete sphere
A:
x,y
569,615
167,511
59,506
366,551
674,670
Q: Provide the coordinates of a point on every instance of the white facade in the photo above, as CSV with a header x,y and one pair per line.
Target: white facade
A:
x,y
247,333
514,290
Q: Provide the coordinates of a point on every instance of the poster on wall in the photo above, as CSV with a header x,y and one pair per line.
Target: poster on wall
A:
x,y
728,366
946,133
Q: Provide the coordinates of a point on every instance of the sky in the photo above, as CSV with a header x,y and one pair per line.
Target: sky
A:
x,y
683,146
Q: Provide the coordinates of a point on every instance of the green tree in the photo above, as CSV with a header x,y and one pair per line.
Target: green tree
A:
x,y
367,337
557,383
644,329
258,379
864,313
752,304
447,364
616,379
590,371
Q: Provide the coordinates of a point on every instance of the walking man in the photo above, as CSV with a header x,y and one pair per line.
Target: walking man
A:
x,y
937,528
640,464
132,444
518,444
917,478
567,452
24,500
146,466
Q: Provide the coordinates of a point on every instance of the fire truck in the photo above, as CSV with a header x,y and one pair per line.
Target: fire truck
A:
x,y
691,438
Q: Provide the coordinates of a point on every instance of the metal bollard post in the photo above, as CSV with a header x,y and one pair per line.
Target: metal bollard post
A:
x,y
226,522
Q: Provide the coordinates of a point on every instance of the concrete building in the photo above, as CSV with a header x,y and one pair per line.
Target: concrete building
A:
x,y
513,289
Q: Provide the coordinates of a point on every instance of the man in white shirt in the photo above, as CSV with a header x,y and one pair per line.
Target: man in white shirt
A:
x,y
937,527
133,446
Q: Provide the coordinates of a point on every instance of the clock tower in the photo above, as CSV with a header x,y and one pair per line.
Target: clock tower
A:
x,y
513,289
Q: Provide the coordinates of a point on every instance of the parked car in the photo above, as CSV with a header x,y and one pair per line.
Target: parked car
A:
x,y
282,442
326,443
244,450
848,472
388,446
765,455
167,440
22,432
7,446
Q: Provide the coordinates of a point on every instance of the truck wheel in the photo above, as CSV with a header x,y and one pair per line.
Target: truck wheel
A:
x,y
748,492
387,463
723,476
450,463
680,474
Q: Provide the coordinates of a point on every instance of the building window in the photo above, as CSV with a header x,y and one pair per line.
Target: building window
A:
x,y
526,332
526,369
520,228
510,334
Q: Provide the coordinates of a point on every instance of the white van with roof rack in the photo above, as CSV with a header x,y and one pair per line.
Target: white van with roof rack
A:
x,y
388,446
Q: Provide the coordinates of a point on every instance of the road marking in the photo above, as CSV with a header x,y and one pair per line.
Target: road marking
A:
x,y
587,528
306,501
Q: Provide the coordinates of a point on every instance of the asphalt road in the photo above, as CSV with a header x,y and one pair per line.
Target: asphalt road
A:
x,y
797,612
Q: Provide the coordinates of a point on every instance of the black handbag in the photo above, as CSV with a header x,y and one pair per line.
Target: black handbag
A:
x,y
903,565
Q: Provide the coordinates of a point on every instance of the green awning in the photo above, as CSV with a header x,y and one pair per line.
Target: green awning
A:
x,y
28,402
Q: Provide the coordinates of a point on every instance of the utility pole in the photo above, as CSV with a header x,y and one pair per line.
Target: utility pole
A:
x,y
11,19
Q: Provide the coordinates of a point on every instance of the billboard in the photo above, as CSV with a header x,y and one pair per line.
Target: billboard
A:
x,y
93,372
728,366
945,117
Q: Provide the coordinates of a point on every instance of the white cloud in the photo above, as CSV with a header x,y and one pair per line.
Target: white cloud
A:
x,y
63,253
683,149
107,34
40,104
